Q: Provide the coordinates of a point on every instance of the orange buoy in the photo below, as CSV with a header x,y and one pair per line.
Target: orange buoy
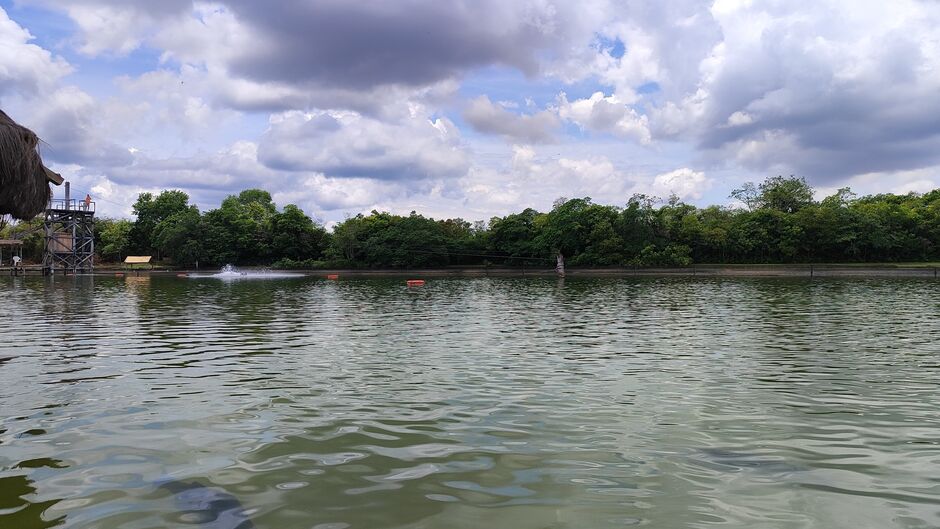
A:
x,y
119,274
415,282
332,276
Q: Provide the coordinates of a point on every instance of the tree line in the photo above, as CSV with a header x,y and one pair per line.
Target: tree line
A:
x,y
778,222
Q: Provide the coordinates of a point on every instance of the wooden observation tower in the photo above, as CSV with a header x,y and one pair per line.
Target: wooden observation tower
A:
x,y
70,235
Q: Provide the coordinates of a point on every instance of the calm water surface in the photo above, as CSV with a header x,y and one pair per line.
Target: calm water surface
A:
x,y
481,403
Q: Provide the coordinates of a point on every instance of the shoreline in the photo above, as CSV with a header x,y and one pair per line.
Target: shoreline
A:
x,y
927,270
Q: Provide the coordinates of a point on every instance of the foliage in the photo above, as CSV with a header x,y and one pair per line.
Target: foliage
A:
x,y
150,212
781,223
383,240
514,236
113,238
287,263
788,195
671,255
295,236
178,236
246,229
31,233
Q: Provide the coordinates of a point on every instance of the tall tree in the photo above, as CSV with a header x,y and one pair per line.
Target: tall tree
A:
x,y
783,224
179,236
788,195
514,236
115,238
245,221
150,211
296,236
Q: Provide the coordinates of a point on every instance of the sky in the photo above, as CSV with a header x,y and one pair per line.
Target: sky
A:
x,y
473,108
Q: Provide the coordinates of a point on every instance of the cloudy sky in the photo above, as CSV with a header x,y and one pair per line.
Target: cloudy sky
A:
x,y
474,108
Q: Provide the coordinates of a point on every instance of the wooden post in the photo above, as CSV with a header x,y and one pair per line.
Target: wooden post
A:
x,y
560,265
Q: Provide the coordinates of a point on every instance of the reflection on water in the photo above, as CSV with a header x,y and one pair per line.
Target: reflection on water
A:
x,y
521,403
205,505
19,506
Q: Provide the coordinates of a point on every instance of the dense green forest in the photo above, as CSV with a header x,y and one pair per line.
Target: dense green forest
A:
x,y
778,222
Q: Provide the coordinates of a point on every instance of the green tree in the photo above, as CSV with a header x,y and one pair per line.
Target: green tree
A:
x,y
514,236
150,211
788,195
115,238
765,236
295,235
782,223
929,227
749,195
888,228
32,234
179,236
406,242
564,230
464,241
241,229
218,239
348,238
381,240
830,229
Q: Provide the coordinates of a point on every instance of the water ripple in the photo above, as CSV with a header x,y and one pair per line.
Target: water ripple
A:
x,y
298,402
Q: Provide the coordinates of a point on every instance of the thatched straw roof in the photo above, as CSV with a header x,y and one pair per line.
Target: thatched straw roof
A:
x,y
24,180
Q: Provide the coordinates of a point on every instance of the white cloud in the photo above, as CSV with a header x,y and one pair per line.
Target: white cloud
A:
x,y
838,91
323,50
827,90
605,114
534,180
118,27
683,183
70,122
486,117
26,69
107,28
164,100
349,144
899,182
740,118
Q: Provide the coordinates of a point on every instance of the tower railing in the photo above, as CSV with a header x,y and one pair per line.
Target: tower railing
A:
x,y
71,204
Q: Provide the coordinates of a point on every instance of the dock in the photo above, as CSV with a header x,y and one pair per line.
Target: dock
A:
x,y
27,270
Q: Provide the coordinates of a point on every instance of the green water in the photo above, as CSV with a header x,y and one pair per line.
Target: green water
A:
x,y
479,403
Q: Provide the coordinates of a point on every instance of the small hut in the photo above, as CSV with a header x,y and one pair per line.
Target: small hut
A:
x,y
16,250
24,179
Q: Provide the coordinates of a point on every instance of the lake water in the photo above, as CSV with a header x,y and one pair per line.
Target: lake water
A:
x,y
304,403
